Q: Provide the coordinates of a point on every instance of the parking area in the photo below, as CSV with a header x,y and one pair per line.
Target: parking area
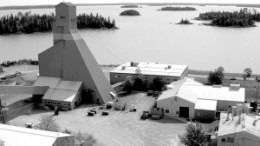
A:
x,y
118,128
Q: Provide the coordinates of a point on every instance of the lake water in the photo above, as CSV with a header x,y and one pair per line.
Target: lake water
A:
x,y
152,37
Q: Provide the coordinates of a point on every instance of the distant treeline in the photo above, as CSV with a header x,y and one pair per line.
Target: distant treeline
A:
x,y
19,62
242,18
169,8
129,6
30,23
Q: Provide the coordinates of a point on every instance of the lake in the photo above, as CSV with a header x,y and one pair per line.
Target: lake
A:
x,y
152,37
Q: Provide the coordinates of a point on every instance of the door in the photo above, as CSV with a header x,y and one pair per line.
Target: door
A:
x,y
184,112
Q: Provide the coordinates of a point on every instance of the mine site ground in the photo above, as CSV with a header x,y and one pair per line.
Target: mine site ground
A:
x,y
118,128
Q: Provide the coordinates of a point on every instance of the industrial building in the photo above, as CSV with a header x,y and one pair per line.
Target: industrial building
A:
x,y
168,72
17,136
189,99
239,130
69,67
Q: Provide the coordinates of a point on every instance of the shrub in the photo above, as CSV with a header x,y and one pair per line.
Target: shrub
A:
x,y
139,83
194,135
48,123
128,86
84,139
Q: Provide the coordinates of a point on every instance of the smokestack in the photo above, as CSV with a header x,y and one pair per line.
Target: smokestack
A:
x,y
228,112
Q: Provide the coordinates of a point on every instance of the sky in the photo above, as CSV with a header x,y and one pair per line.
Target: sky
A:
x,y
45,2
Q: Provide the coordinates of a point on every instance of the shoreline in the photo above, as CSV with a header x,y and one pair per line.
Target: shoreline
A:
x,y
108,67
19,7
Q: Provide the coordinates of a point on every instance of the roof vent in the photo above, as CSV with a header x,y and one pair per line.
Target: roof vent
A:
x,y
123,67
234,86
217,86
169,67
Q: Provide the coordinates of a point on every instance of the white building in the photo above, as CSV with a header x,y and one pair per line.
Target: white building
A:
x,y
18,136
168,72
235,133
189,99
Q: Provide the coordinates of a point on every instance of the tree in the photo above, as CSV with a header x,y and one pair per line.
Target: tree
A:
x,y
84,139
139,83
157,84
216,76
128,86
247,73
194,135
48,123
2,143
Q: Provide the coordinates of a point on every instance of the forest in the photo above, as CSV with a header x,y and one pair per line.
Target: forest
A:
x,y
169,8
30,23
242,18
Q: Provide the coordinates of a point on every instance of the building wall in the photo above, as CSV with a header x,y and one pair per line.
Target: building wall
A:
x,y
64,141
120,77
173,105
204,115
239,139
222,105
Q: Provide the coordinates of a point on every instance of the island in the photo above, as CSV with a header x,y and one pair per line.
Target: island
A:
x,y
170,8
184,21
129,6
242,18
31,23
130,13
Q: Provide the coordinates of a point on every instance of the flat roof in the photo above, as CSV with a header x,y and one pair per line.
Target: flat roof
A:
x,y
232,126
148,68
217,93
202,104
13,136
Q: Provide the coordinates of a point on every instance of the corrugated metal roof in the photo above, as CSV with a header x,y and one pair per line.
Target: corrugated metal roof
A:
x,y
148,68
52,82
65,91
232,126
14,136
217,93
191,90
203,104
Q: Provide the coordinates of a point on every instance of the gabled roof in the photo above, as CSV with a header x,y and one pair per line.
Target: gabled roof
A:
x,y
231,127
14,136
191,90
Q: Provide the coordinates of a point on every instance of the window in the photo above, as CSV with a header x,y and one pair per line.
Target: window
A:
x,y
175,80
62,17
230,139
167,111
117,76
200,114
223,140
73,19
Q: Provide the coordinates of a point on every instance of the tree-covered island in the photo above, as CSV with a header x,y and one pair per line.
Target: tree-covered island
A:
x,y
30,23
184,21
242,18
170,8
130,13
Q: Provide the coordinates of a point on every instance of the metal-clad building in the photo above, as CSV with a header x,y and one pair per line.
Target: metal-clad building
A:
x,y
18,136
71,60
168,72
